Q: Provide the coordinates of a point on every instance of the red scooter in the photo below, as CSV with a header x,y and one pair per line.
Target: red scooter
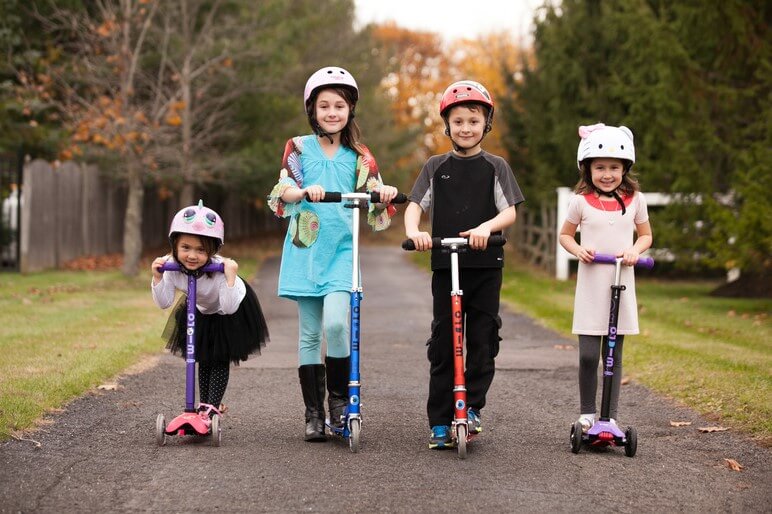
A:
x,y
454,245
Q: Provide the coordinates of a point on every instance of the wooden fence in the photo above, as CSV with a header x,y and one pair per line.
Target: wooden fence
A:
x,y
74,210
534,235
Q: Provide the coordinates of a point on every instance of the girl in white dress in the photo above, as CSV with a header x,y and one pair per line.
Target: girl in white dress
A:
x,y
610,209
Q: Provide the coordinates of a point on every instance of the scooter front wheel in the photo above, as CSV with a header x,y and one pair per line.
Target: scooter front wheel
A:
x,y
160,430
461,438
631,446
576,437
353,438
216,430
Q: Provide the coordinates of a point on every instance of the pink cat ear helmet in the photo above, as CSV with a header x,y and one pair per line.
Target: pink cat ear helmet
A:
x,y
198,220
600,140
329,76
465,92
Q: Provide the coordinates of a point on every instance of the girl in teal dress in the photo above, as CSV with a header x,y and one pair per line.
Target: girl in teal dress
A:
x,y
317,255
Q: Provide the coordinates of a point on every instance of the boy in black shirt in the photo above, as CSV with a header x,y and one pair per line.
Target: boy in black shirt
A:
x,y
469,193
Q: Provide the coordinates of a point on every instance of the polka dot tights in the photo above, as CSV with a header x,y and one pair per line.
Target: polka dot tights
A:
x,y
212,382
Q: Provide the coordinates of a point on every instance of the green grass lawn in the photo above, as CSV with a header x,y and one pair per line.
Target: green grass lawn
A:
x,y
66,332
712,354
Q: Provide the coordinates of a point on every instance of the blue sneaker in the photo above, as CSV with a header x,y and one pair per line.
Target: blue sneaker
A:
x,y
474,421
440,437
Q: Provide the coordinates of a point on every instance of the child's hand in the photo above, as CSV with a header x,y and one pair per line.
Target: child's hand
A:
x,y
477,237
314,193
585,255
388,193
421,240
155,267
231,269
630,257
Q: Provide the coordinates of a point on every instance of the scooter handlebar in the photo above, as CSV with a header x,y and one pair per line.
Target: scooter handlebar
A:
x,y
437,242
373,197
212,267
643,262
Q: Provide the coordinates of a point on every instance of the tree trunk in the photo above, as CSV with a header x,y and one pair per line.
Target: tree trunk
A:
x,y
132,225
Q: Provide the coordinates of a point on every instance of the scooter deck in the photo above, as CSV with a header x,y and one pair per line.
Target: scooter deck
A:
x,y
189,423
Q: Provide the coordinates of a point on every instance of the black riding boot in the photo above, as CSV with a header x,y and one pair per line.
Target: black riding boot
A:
x,y
312,385
337,387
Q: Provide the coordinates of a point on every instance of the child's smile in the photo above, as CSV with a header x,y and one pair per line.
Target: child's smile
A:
x,y
332,111
190,252
607,173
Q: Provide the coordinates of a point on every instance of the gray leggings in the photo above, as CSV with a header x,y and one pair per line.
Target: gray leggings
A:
x,y
589,357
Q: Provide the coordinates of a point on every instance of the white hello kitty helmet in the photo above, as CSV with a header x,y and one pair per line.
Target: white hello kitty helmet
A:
x,y
198,220
600,140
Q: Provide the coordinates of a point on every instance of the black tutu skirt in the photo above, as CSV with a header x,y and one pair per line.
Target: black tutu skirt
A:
x,y
220,338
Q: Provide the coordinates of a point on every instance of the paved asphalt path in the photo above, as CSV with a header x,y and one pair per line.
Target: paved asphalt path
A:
x,y
100,455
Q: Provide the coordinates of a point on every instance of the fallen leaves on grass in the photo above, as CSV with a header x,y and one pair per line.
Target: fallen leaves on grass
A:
x,y
733,464
625,381
712,429
680,423
95,262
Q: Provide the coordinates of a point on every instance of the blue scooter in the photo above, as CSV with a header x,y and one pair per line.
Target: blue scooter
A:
x,y
352,416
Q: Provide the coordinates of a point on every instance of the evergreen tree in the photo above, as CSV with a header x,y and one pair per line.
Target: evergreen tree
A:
x,y
692,80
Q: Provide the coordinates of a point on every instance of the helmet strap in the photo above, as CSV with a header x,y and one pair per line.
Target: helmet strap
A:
x,y
613,194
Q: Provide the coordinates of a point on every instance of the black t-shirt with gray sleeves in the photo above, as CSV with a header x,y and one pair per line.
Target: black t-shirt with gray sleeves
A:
x,y
462,192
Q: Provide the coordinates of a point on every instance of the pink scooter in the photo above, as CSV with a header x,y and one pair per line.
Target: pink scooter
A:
x,y
193,421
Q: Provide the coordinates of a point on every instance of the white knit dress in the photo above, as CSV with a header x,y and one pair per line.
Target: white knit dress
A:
x,y
607,232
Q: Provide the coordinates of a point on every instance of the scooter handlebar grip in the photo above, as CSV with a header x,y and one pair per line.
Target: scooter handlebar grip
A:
x,y
400,198
214,267
169,266
601,258
643,262
495,240
330,197
375,197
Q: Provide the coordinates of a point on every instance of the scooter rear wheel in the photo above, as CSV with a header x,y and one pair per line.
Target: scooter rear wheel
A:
x,y
160,430
576,437
353,438
216,430
631,446
461,438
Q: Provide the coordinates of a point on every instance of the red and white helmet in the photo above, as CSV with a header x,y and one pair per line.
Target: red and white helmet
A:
x,y
329,76
600,140
467,91
198,220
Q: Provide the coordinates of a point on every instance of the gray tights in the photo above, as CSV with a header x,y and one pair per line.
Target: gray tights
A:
x,y
589,357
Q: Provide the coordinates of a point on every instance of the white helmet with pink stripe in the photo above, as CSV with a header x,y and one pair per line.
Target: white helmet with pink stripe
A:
x,y
198,220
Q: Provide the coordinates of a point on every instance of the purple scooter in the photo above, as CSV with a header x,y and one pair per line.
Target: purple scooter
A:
x,y
193,421
603,432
